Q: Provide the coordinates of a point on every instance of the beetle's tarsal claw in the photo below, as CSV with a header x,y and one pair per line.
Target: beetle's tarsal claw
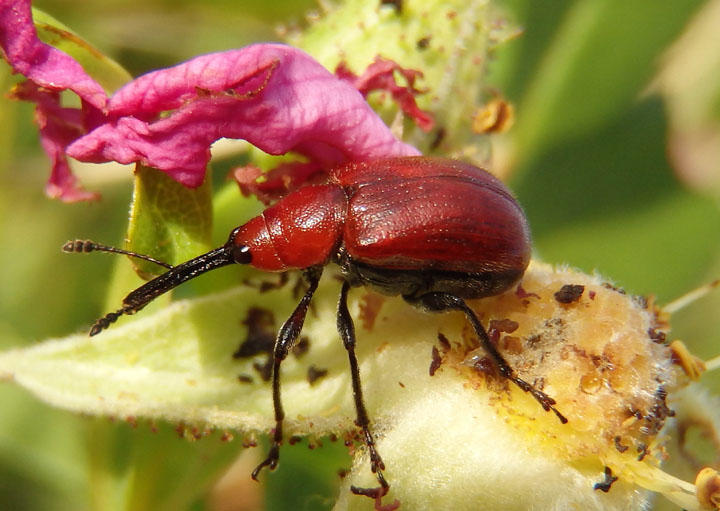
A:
x,y
374,493
545,401
377,494
560,416
270,462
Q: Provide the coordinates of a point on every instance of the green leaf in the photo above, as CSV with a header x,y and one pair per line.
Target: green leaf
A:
x,y
609,201
41,455
108,73
168,221
176,365
150,467
594,65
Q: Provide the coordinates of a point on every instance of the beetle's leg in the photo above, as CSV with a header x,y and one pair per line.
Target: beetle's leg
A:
x,y
438,301
288,334
346,327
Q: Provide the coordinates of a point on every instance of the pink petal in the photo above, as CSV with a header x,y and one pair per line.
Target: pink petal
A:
x,y
277,182
380,75
50,71
58,127
276,97
39,62
64,185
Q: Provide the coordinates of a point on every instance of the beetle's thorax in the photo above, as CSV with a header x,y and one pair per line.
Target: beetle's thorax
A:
x,y
301,230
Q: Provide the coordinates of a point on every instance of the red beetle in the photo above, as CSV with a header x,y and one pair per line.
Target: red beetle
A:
x,y
435,231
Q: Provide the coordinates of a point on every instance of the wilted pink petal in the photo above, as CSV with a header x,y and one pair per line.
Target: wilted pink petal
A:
x,y
379,76
246,177
277,182
63,184
58,127
276,97
39,62
50,71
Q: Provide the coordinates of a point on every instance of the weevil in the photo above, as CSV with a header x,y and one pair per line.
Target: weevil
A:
x,y
434,231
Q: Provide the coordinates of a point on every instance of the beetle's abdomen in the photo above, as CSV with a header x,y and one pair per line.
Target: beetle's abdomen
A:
x,y
454,223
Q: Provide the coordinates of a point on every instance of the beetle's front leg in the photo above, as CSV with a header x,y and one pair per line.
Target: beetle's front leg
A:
x,y
346,328
287,336
439,301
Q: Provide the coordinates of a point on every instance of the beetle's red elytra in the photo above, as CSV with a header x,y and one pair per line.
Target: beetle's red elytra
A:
x,y
435,231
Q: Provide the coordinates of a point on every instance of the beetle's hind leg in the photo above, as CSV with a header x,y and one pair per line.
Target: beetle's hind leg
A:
x,y
439,301
346,328
288,334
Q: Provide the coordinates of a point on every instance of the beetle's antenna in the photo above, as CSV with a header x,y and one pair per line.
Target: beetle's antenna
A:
x,y
85,246
227,254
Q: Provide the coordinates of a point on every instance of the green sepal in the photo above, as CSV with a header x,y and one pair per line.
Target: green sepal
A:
x,y
168,221
448,41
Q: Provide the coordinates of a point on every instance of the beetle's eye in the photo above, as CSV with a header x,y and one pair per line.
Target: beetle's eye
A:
x,y
241,254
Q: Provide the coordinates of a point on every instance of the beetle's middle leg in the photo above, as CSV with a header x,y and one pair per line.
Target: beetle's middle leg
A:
x,y
288,334
346,328
440,301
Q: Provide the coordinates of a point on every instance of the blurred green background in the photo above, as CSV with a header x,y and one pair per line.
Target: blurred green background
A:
x,y
615,155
